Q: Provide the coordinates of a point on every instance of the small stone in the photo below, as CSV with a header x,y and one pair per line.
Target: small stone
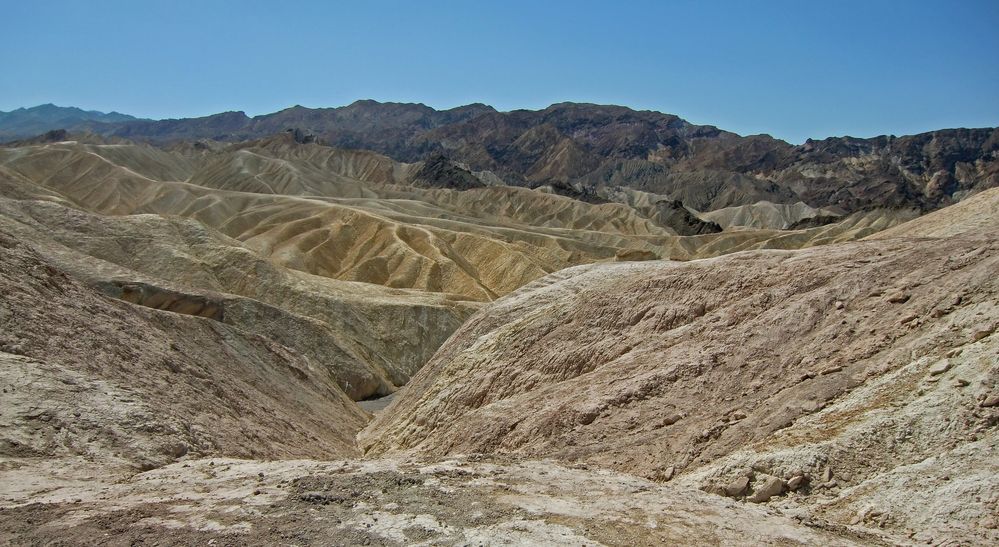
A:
x,y
954,352
939,368
990,401
839,304
771,487
795,482
832,370
909,318
978,335
671,419
898,297
812,406
737,488
827,474
738,414
961,382
667,475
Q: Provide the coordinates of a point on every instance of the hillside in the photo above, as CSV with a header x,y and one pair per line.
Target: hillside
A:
x,y
841,374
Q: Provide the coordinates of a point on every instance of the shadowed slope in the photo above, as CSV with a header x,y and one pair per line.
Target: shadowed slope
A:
x,y
89,376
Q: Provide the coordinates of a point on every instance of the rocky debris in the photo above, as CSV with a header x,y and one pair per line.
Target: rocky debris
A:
x,y
990,401
382,502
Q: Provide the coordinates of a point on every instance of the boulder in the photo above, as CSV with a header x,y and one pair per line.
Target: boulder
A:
x,y
795,482
771,486
737,488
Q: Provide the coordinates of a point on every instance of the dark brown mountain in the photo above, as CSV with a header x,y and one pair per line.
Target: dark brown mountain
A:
x,y
586,147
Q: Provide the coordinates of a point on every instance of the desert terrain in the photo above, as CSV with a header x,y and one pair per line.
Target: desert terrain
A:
x,y
384,324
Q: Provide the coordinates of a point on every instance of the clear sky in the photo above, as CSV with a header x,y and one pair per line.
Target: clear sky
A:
x,y
793,69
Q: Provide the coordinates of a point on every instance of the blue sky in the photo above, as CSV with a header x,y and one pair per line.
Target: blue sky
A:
x,y
793,69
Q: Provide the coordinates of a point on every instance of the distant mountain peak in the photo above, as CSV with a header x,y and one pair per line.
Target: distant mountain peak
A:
x,y
36,120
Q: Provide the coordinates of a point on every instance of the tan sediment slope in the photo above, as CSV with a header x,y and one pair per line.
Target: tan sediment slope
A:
x,y
859,370
350,215
370,338
88,376
978,213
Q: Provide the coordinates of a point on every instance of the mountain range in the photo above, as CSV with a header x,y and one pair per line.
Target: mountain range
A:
x,y
26,122
575,149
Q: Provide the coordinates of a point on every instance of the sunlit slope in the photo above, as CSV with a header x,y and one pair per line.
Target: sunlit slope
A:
x,y
354,215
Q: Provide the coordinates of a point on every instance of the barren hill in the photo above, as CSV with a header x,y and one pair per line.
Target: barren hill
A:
x,y
843,373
